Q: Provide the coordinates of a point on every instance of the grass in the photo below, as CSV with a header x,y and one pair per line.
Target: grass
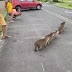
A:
x,y
64,0
6,17
0,30
65,6
42,1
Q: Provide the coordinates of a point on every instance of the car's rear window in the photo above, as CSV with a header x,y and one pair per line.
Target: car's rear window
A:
x,y
22,0
6,0
30,0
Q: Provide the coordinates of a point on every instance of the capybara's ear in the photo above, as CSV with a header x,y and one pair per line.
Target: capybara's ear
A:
x,y
56,30
63,23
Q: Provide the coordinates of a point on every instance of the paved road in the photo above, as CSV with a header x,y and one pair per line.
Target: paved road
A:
x,y
61,11
17,53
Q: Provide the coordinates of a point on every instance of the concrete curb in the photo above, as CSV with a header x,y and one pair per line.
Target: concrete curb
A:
x,y
5,14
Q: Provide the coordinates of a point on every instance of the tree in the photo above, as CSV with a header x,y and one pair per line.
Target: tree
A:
x,y
62,0
46,0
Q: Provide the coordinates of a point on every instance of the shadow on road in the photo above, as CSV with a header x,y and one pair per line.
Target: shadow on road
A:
x,y
29,10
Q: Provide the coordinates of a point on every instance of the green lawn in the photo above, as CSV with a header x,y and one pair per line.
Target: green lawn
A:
x,y
0,29
65,0
65,6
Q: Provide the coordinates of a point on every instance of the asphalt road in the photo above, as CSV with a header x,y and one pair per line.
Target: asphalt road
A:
x,y
57,10
17,53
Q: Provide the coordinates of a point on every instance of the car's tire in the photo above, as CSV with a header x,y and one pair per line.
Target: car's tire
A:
x,y
18,7
38,7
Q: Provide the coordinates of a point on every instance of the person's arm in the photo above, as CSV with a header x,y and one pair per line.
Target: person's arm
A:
x,y
8,7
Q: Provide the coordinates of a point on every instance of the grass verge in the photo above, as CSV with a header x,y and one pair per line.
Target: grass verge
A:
x,y
64,5
0,30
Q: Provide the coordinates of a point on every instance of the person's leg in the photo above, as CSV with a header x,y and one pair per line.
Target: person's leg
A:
x,y
18,13
11,17
4,32
3,26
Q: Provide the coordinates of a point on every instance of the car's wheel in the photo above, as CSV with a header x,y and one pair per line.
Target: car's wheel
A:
x,y
38,7
18,7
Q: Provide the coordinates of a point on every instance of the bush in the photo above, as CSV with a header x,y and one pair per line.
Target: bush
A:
x,y
43,0
38,0
70,4
55,0
0,30
2,0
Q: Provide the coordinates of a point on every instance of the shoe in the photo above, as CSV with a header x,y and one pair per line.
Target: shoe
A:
x,y
14,18
12,21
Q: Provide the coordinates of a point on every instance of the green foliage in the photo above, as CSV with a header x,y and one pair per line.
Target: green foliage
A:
x,y
38,0
2,0
65,6
6,17
0,29
70,4
46,0
43,0
51,1
55,0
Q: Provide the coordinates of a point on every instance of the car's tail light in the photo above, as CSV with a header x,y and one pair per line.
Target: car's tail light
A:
x,y
12,1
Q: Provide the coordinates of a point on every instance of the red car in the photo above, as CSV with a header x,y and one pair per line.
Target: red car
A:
x,y
25,4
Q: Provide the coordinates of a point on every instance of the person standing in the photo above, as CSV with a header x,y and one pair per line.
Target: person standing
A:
x,y
10,10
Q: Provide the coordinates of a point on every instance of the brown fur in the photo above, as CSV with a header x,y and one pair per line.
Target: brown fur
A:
x,y
50,36
55,33
41,43
61,28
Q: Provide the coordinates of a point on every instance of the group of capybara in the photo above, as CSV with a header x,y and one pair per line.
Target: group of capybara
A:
x,y
39,44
